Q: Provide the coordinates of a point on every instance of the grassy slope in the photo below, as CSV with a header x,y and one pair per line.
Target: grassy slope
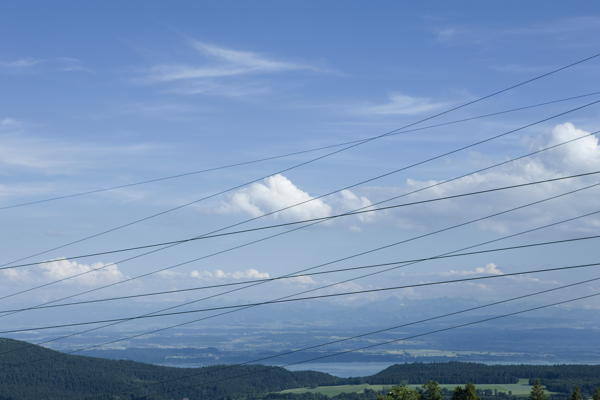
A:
x,y
518,389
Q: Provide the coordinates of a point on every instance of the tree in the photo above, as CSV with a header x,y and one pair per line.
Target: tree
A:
x,y
537,393
576,394
432,391
596,394
400,393
468,393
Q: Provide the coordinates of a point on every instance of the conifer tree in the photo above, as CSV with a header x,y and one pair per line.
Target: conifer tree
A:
x,y
576,394
537,393
596,394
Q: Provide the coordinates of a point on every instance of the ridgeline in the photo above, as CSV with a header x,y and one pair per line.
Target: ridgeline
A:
x,y
62,377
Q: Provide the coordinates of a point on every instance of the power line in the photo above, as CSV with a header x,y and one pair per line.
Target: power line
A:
x,y
286,155
411,337
285,208
228,312
324,296
371,333
316,159
197,320
307,274
256,241
311,220
488,242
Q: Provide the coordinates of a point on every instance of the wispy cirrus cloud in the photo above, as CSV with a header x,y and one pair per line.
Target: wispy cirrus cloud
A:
x,y
573,30
399,104
39,65
222,71
226,62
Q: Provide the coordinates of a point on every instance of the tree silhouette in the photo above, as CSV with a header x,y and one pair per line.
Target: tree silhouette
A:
x,y
537,393
576,394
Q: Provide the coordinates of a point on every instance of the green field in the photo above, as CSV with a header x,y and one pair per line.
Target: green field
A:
x,y
518,389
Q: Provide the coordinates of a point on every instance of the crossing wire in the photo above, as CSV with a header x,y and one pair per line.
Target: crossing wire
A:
x,y
205,318
317,222
303,202
324,296
303,275
288,154
311,220
66,336
311,161
363,335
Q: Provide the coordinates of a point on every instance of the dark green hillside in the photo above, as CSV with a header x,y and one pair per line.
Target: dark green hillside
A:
x,y
451,372
70,376
78,377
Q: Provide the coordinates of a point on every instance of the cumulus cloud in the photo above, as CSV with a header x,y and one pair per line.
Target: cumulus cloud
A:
x,y
250,273
303,280
277,192
97,273
577,157
489,269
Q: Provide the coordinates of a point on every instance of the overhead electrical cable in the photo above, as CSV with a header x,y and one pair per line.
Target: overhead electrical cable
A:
x,y
324,296
360,336
390,341
175,291
437,184
347,214
228,312
286,155
311,161
297,204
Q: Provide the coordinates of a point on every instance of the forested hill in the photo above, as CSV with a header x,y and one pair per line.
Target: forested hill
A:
x,y
451,372
76,377
62,377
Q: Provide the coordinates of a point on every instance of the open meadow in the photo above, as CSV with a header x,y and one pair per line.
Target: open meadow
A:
x,y
521,389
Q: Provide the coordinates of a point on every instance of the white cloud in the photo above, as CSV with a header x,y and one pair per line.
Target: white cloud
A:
x,y
574,158
223,71
399,104
97,273
227,63
489,269
7,124
277,192
349,201
274,193
56,157
564,31
22,63
250,273
33,65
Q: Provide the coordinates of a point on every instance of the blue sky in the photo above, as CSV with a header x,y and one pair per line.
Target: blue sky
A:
x,y
102,94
